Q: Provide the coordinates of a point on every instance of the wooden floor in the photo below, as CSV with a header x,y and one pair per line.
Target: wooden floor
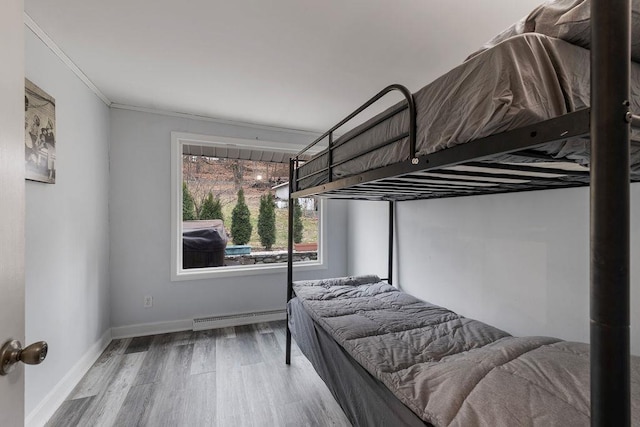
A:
x,y
223,377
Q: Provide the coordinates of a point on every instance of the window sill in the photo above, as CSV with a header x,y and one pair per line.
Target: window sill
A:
x,y
241,271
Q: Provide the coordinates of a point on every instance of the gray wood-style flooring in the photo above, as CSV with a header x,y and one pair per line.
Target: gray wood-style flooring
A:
x,y
221,377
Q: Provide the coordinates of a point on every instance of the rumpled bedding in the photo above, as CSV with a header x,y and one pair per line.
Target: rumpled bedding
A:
x,y
523,80
454,371
568,20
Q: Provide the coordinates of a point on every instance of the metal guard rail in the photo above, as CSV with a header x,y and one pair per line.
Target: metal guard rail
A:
x,y
411,133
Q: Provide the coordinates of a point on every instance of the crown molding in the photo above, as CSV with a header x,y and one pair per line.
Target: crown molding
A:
x,y
42,35
190,116
39,32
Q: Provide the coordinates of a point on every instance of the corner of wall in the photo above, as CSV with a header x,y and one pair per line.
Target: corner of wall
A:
x,y
47,407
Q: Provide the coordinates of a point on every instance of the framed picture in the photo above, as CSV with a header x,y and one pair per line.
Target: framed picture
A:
x,y
40,134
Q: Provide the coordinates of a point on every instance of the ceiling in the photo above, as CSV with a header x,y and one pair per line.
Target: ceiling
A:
x,y
299,64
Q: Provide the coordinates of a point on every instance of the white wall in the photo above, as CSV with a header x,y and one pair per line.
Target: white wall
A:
x,y
517,261
140,228
367,238
67,228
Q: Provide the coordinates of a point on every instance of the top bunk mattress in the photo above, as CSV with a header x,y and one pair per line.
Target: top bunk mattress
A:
x,y
520,81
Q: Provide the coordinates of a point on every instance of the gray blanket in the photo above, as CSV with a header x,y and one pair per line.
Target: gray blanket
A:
x,y
454,371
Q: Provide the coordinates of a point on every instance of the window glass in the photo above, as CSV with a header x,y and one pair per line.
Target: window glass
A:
x,y
230,210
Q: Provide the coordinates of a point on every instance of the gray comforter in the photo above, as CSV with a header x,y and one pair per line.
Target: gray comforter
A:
x,y
454,371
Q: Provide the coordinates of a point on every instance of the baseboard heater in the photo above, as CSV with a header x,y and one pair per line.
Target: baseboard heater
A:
x,y
213,322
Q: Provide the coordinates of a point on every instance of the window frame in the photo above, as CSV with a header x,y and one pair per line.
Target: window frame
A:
x,y
178,274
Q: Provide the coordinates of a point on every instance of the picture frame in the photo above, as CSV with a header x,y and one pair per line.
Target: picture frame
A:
x,y
40,134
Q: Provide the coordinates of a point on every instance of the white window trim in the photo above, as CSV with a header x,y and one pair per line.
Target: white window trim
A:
x,y
178,139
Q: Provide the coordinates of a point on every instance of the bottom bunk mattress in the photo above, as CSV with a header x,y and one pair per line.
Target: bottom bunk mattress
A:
x,y
446,369
364,399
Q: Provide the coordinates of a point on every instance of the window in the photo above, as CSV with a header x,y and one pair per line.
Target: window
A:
x,y
230,209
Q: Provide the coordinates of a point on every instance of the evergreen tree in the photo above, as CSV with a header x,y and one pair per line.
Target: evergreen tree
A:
x,y
241,221
188,207
267,221
298,227
217,209
211,208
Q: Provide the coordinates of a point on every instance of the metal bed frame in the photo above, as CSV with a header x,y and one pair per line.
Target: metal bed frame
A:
x,y
607,122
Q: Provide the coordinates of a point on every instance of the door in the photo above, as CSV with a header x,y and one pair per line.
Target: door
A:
x,y
12,203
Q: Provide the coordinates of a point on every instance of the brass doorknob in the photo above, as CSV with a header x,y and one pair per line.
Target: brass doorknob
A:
x,y
12,353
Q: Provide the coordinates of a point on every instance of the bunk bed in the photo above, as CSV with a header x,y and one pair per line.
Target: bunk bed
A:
x,y
537,121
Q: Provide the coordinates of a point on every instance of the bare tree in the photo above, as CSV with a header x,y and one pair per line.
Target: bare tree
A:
x,y
238,173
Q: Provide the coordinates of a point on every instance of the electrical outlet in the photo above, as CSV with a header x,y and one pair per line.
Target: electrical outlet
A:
x,y
148,301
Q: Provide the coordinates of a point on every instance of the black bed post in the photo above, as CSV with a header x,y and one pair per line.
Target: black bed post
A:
x,y
610,64
390,265
290,257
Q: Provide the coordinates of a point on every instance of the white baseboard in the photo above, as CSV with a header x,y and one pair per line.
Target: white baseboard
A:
x,y
39,416
52,401
213,322
142,329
